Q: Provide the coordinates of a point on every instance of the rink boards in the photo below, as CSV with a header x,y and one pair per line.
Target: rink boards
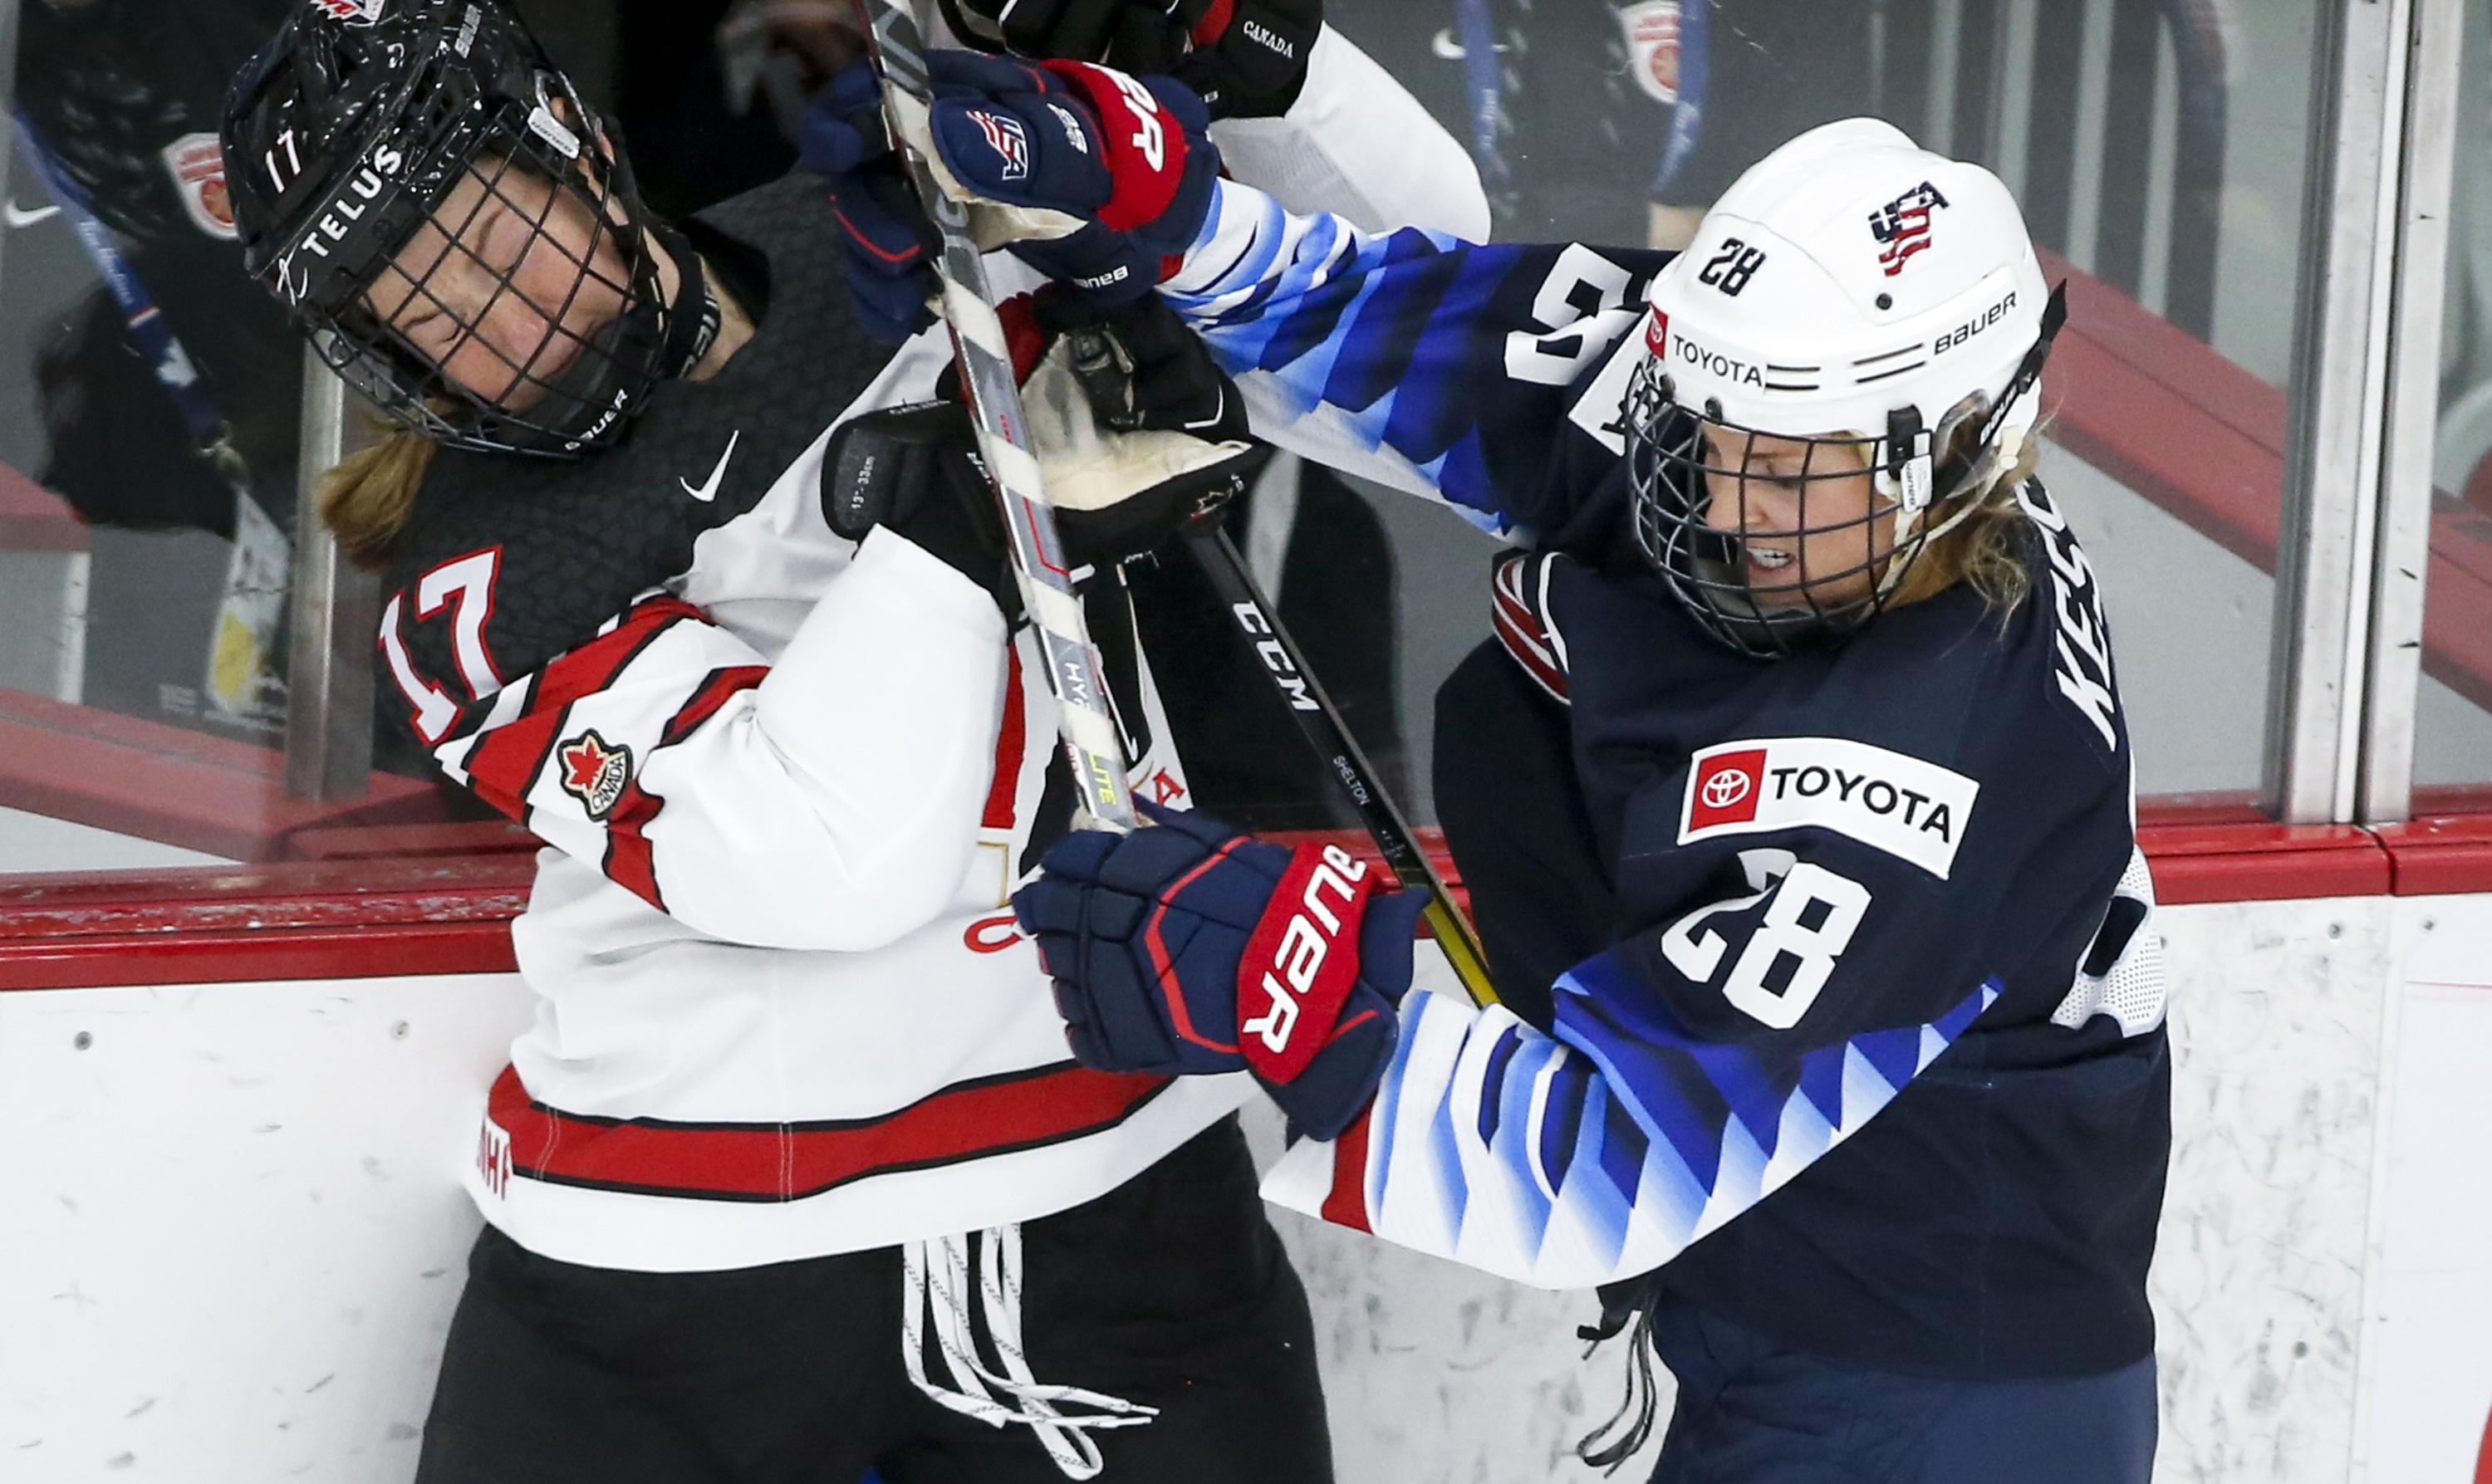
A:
x,y
234,1232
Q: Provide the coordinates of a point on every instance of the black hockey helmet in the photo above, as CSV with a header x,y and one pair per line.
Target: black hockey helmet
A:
x,y
366,123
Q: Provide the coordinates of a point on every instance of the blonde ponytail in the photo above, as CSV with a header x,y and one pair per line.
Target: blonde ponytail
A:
x,y
366,500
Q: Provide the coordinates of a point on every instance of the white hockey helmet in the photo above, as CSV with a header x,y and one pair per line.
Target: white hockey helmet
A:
x,y
1851,290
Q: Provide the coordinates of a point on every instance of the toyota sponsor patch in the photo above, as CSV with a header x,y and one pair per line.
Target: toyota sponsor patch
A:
x,y
1913,810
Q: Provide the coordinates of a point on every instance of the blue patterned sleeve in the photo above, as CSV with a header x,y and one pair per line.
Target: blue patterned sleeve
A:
x,y
1442,367
1601,1152
1694,1066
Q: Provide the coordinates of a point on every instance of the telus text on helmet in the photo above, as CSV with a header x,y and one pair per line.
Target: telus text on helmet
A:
x,y
1974,326
355,197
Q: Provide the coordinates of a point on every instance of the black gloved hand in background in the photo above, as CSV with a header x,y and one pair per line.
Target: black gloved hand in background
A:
x,y
1248,58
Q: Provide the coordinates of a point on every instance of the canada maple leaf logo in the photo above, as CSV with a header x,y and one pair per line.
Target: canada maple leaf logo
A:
x,y
595,772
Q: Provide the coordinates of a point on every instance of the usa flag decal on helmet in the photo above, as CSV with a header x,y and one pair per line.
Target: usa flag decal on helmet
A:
x,y
1903,225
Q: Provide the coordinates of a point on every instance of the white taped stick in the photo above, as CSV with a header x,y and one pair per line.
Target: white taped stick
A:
x,y
1074,675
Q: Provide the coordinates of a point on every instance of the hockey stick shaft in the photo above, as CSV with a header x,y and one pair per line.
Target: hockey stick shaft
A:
x,y
1319,720
1075,677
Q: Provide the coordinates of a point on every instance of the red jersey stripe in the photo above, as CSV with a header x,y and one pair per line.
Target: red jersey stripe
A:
x,y
1009,744
791,1161
1526,653
593,665
1345,1204
717,689
1214,23
1521,628
631,860
505,761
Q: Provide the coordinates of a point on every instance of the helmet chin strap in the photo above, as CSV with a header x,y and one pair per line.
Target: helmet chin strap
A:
x,y
2000,453
1910,481
693,316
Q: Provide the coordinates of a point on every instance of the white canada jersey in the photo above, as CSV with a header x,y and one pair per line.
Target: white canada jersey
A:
x,y
789,782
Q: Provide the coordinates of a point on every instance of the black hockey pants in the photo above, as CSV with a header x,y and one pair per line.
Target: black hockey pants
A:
x,y
1170,1291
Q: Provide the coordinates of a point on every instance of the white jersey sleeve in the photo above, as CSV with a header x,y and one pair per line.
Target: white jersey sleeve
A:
x,y
1358,145
827,802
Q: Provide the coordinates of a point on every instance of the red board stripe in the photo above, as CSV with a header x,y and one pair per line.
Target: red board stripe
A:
x,y
2205,438
2263,862
2190,369
789,1162
2456,623
2441,854
2462,533
167,783
33,518
300,920
360,919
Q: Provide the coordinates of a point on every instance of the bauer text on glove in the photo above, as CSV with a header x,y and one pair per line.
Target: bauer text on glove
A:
x,y
1190,948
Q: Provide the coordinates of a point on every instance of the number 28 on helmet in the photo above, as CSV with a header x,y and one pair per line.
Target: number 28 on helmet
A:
x,y
1835,374
437,208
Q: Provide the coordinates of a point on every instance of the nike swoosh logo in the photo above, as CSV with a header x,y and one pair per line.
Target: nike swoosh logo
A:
x,y
17,216
1443,45
708,490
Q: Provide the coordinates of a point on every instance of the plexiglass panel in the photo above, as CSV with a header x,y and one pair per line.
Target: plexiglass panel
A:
x,y
2453,721
148,403
148,394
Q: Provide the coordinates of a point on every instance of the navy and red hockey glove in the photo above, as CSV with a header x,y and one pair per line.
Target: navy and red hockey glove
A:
x,y
886,244
1188,948
1117,167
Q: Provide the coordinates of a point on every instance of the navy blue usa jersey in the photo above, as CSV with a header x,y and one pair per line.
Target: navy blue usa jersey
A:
x,y
1866,1051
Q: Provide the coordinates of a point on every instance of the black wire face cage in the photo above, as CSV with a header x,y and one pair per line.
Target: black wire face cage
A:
x,y
1775,543
522,309
1723,514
